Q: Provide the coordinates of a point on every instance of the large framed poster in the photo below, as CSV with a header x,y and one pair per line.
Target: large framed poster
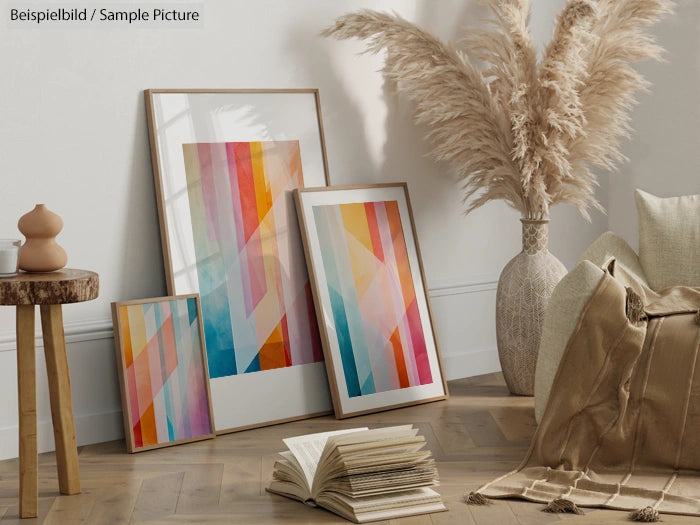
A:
x,y
371,299
225,164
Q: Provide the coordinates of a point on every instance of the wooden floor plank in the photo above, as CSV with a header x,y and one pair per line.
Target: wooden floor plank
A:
x,y
201,488
71,510
457,512
242,478
158,497
497,513
11,517
528,513
452,434
516,423
616,517
115,503
484,431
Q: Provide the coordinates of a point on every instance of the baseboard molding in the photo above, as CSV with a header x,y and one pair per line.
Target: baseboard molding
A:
x,y
469,364
75,332
484,283
93,428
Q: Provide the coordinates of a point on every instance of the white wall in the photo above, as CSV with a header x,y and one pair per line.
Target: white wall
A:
x,y
665,152
73,136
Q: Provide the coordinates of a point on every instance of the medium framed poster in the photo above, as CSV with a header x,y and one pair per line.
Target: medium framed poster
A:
x,y
369,288
225,164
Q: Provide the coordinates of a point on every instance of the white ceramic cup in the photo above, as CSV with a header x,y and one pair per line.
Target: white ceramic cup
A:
x,y
9,251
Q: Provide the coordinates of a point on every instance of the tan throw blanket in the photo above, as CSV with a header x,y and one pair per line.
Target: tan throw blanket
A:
x,y
622,425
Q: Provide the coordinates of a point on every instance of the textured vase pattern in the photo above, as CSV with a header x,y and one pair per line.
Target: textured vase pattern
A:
x,y
525,285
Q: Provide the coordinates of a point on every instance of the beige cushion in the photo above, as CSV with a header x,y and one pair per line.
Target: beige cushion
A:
x,y
669,239
610,245
560,319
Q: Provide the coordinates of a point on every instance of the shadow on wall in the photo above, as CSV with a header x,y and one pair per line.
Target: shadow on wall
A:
x,y
436,181
663,150
345,138
354,157
479,244
436,192
141,274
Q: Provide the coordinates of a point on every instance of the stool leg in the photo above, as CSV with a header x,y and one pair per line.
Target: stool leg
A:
x,y
61,401
26,386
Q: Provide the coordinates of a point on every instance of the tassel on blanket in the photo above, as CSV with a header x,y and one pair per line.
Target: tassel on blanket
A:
x,y
474,498
562,505
647,514
697,317
634,307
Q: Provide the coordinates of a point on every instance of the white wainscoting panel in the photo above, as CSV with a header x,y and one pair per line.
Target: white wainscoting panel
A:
x,y
465,321
95,389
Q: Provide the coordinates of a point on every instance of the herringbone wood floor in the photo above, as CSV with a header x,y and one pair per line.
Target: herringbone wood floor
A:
x,y
478,434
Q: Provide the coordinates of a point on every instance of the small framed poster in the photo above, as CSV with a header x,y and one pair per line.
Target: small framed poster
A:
x,y
162,365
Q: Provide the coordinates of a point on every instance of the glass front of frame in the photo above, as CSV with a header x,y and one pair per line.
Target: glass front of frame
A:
x,y
369,284
163,372
227,163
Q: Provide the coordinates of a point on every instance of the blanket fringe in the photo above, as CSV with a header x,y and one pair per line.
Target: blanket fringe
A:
x,y
562,505
634,307
697,317
474,498
647,514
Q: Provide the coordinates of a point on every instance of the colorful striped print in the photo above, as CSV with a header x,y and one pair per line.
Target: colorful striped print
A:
x,y
256,298
372,296
165,374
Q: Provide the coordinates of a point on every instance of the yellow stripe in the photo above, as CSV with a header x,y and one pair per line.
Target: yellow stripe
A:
x,y
137,323
359,244
263,198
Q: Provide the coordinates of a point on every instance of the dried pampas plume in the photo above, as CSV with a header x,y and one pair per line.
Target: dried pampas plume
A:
x,y
522,131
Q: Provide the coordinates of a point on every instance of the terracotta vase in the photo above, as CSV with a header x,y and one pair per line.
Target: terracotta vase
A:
x,y
524,287
41,253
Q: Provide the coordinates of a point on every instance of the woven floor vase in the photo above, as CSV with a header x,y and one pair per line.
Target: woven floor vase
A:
x,y
525,285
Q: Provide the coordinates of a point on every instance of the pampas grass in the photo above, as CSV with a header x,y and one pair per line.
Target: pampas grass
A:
x,y
520,130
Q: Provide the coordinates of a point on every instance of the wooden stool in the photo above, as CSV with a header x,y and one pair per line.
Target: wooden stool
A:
x,y
49,291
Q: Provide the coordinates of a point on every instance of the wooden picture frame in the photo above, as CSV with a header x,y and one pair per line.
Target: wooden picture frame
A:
x,y
163,376
371,300
225,162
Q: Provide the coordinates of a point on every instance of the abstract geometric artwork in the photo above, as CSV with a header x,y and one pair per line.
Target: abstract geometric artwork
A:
x,y
372,296
162,371
225,164
368,281
255,292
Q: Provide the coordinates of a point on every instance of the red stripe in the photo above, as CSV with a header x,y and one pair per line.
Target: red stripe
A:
x,y
246,188
402,265
285,340
418,342
371,212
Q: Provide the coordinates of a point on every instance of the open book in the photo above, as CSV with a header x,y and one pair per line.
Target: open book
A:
x,y
360,474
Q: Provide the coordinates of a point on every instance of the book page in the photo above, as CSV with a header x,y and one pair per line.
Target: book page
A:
x,y
308,449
